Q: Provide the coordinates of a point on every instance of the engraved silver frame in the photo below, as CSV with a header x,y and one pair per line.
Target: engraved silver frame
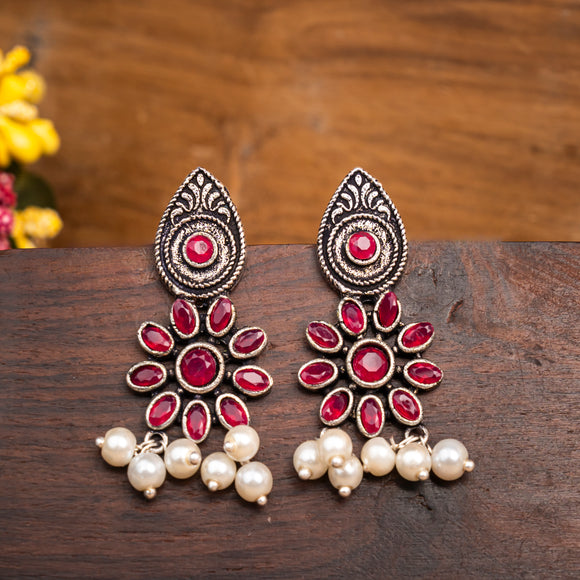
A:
x,y
246,391
152,352
346,414
196,403
359,419
173,415
242,356
214,251
415,349
382,346
320,348
140,389
196,316
397,416
325,383
339,315
376,322
217,379
208,317
417,384
218,411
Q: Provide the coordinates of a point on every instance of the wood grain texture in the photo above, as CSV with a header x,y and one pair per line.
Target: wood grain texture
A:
x,y
506,317
468,112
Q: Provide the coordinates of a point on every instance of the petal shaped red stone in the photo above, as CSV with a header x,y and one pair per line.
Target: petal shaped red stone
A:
x,y
252,380
196,422
156,338
317,373
372,416
146,375
323,335
233,412
388,310
220,314
417,335
425,373
161,410
199,249
198,367
370,364
334,407
184,317
353,317
249,341
362,246
406,405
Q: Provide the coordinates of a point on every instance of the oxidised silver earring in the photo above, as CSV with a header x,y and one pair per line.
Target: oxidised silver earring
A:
x,y
371,364
199,254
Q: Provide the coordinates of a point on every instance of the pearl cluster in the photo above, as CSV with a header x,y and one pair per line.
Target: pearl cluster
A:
x,y
412,458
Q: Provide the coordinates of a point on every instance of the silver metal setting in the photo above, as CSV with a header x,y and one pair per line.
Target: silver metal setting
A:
x,y
173,415
247,391
241,355
381,346
346,413
339,315
152,352
361,204
359,422
417,384
376,320
417,348
220,368
397,416
140,389
197,321
196,403
218,410
149,445
208,318
372,259
320,348
212,257
323,384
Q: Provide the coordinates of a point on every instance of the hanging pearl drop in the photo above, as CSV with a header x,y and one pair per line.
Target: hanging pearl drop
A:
x,y
347,477
241,443
378,457
254,482
414,462
450,459
118,446
182,458
218,471
307,461
146,471
335,447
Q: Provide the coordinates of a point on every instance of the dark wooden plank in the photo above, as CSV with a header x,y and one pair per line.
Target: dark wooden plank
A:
x,y
507,322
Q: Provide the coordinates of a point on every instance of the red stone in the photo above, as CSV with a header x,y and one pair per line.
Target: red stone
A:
x,y
157,338
425,373
233,412
196,422
252,380
316,373
370,364
353,317
146,375
388,310
249,341
417,335
160,412
323,335
334,407
405,404
198,367
184,317
362,246
199,249
220,315
372,416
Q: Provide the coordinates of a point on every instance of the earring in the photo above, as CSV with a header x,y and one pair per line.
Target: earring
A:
x,y
375,357
199,255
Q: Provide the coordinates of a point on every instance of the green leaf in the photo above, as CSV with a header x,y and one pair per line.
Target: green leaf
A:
x,y
32,190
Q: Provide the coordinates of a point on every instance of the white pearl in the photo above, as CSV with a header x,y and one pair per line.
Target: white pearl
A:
x,y
413,462
182,458
146,471
254,482
449,459
335,447
378,457
218,471
347,477
118,446
241,443
307,461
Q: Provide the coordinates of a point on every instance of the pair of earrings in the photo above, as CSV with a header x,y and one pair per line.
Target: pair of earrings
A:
x,y
201,354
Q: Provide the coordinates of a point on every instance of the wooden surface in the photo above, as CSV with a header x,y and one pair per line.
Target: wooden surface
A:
x,y
506,317
468,112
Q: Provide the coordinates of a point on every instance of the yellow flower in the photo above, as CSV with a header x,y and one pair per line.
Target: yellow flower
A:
x,y
40,223
45,131
23,143
14,59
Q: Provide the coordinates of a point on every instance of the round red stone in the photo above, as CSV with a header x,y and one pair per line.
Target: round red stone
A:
x,y
220,315
362,246
196,422
249,341
198,367
353,317
417,335
370,364
146,376
323,335
405,404
199,249
233,412
334,407
161,411
425,373
156,338
183,316
388,310
371,416
317,373
252,380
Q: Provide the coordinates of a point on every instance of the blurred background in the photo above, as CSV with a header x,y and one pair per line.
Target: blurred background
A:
x,y
468,112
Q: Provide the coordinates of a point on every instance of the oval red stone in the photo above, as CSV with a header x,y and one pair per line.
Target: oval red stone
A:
x,y
249,341
388,310
370,364
220,315
160,412
425,373
334,407
353,317
147,375
405,404
252,380
156,338
317,373
199,249
372,416
196,422
417,335
198,367
184,317
362,246
233,412
323,335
